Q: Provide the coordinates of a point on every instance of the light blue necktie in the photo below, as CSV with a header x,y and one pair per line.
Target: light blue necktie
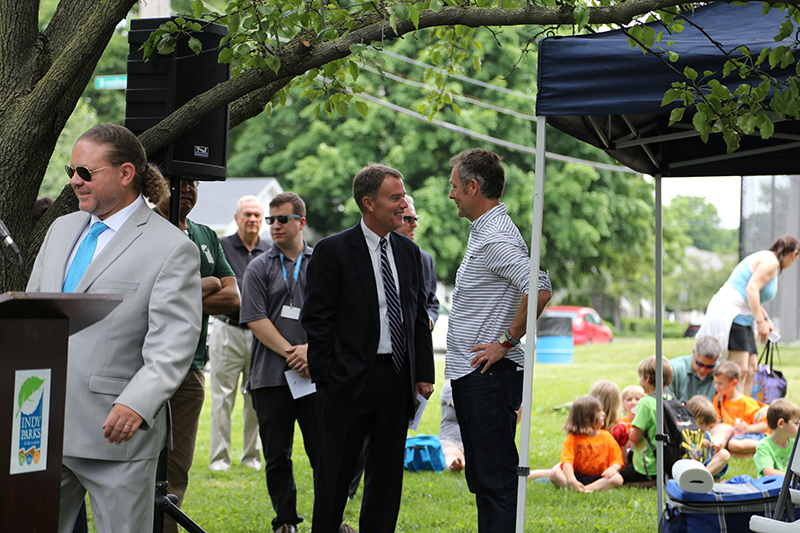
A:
x,y
83,257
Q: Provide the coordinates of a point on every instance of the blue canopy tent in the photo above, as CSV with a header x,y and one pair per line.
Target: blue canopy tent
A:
x,y
599,90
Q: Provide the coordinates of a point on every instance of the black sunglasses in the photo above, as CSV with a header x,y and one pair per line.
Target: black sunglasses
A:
x,y
283,219
701,365
409,219
83,172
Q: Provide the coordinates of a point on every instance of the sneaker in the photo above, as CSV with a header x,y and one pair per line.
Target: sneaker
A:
x,y
254,464
287,528
219,466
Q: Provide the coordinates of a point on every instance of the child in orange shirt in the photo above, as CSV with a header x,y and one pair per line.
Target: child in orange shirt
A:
x,y
738,427
590,458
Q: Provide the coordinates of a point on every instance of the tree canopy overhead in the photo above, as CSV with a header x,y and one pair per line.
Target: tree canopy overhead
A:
x,y
273,44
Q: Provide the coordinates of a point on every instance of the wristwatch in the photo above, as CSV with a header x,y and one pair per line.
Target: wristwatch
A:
x,y
507,341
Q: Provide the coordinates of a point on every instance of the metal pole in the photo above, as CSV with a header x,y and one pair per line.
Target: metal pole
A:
x,y
530,345
659,354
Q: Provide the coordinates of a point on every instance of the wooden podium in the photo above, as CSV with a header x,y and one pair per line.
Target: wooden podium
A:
x,y
34,334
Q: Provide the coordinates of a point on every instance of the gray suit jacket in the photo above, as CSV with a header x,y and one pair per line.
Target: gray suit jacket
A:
x,y
140,353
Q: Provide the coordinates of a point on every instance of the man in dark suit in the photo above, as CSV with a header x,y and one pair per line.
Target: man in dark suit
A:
x,y
369,352
409,229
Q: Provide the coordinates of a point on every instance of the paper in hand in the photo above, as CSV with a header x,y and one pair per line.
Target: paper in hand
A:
x,y
298,385
419,408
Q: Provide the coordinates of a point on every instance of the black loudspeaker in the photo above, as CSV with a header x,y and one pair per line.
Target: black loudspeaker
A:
x,y
163,83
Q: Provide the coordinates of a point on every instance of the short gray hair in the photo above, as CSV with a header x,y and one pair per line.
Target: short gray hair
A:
x,y
247,198
708,346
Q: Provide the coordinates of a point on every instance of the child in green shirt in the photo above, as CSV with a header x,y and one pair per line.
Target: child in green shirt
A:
x,y
773,452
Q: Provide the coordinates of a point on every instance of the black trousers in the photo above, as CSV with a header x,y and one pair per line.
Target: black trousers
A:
x,y
379,416
277,411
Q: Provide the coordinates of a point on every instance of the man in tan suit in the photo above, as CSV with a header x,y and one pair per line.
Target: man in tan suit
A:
x,y
122,370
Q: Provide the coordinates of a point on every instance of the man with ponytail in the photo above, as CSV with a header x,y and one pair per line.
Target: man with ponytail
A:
x,y
123,369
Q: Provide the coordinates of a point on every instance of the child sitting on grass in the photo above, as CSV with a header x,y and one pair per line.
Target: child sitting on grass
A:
x,y
590,458
739,429
630,397
773,452
643,467
611,399
713,455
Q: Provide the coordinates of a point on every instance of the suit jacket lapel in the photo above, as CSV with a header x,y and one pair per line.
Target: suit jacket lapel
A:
x,y
362,263
65,246
127,234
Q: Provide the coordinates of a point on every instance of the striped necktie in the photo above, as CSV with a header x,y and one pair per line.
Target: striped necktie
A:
x,y
393,310
83,257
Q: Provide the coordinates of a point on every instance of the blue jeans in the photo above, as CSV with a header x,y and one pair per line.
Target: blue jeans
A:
x,y
486,406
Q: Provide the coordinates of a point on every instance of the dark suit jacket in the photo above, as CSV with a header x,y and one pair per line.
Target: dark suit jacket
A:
x,y
340,313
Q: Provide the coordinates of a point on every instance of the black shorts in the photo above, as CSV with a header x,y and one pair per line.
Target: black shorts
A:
x,y
586,479
741,339
630,475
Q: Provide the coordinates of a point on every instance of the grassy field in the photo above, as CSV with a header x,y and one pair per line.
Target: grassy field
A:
x,y
237,501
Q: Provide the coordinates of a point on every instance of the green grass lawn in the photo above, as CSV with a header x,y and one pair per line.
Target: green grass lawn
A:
x,y
237,501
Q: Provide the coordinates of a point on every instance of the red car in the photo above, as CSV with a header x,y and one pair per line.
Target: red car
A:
x,y
587,326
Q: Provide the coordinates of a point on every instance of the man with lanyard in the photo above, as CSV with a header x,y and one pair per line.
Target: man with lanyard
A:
x,y
274,286
220,295
229,346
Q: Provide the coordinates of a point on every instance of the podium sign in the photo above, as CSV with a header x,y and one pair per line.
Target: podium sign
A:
x,y
34,336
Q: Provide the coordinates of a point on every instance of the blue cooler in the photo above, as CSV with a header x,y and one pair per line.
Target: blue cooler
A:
x,y
554,339
727,508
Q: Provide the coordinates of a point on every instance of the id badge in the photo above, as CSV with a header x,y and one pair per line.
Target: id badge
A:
x,y
292,313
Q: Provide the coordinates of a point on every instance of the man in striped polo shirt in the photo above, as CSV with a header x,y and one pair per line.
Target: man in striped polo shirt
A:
x,y
488,316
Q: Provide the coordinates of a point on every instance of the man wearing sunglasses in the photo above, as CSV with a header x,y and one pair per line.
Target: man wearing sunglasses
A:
x,y
694,374
409,229
122,370
273,292
220,295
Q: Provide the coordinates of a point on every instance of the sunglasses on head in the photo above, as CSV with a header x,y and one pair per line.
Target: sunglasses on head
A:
x,y
409,219
283,219
701,365
84,173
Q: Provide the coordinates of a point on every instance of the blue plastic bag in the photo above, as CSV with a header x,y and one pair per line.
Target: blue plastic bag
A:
x,y
424,452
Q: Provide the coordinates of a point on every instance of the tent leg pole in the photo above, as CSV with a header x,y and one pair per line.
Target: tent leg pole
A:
x,y
659,351
530,346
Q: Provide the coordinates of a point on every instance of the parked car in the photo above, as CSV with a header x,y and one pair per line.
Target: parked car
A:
x,y
587,326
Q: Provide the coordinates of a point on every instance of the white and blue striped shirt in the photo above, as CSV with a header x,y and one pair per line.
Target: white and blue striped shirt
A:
x,y
490,283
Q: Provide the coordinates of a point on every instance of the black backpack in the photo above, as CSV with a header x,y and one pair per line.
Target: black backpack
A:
x,y
681,435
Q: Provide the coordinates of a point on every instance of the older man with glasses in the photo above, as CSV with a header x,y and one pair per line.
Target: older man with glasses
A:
x,y
694,374
409,229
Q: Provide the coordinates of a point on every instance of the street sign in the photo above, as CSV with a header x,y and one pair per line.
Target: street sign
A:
x,y
119,81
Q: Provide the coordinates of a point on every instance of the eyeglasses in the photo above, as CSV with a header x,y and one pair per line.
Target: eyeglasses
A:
x,y
409,219
83,172
701,365
283,219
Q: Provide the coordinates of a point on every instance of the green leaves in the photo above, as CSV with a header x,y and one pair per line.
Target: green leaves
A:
x,y
28,389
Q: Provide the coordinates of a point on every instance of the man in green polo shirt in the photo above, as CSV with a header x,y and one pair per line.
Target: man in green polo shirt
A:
x,y
694,374
220,295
